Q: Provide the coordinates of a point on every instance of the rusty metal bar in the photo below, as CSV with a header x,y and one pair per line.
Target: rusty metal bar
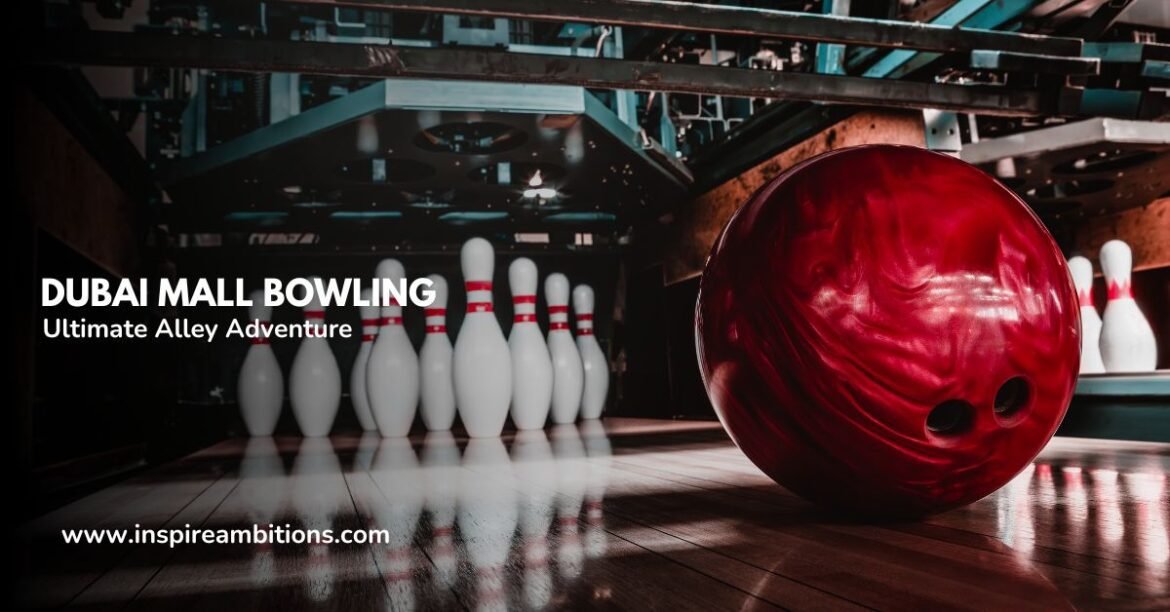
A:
x,y
737,20
474,64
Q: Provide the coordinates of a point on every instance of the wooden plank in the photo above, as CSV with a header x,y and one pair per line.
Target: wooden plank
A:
x,y
695,225
123,582
608,569
1145,229
312,495
69,194
62,571
1047,540
650,515
801,546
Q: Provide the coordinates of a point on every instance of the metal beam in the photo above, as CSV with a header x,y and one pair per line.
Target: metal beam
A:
x,y
736,20
1031,62
478,64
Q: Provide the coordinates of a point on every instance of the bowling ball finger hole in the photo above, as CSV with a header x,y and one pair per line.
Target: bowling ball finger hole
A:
x,y
950,418
1012,400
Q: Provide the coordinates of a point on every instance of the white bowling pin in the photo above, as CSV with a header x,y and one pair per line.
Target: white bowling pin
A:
x,y
358,395
483,364
1127,341
532,376
596,387
435,363
260,387
1082,274
568,373
392,373
314,387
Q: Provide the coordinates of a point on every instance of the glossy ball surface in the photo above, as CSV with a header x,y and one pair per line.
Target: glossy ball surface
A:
x,y
888,331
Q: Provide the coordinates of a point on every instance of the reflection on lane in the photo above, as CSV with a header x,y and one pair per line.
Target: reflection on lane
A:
x,y
318,496
536,474
396,473
262,493
477,524
440,462
1103,510
487,517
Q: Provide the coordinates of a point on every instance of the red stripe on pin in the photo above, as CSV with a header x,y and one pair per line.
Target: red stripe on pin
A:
x,y
557,309
1085,297
260,341
557,325
436,329
524,299
315,314
524,318
585,332
478,285
434,312
585,317
391,321
369,337
479,307
1116,291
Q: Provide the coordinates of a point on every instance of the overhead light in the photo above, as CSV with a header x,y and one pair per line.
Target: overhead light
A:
x,y
543,193
532,237
367,135
354,215
536,180
473,216
292,189
267,218
428,203
580,217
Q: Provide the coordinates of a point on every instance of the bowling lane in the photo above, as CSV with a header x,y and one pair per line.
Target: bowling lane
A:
x,y
631,514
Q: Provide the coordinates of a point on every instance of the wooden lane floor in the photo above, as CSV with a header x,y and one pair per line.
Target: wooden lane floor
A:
x,y
629,514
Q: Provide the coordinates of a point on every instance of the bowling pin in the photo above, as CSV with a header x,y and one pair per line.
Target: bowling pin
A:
x,y
357,376
315,380
1082,274
1127,341
435,363
260,387
392,372
483,364
532,376
568,373
596,385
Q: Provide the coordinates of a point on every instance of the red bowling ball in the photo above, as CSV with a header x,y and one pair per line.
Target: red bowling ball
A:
x,y
888,331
